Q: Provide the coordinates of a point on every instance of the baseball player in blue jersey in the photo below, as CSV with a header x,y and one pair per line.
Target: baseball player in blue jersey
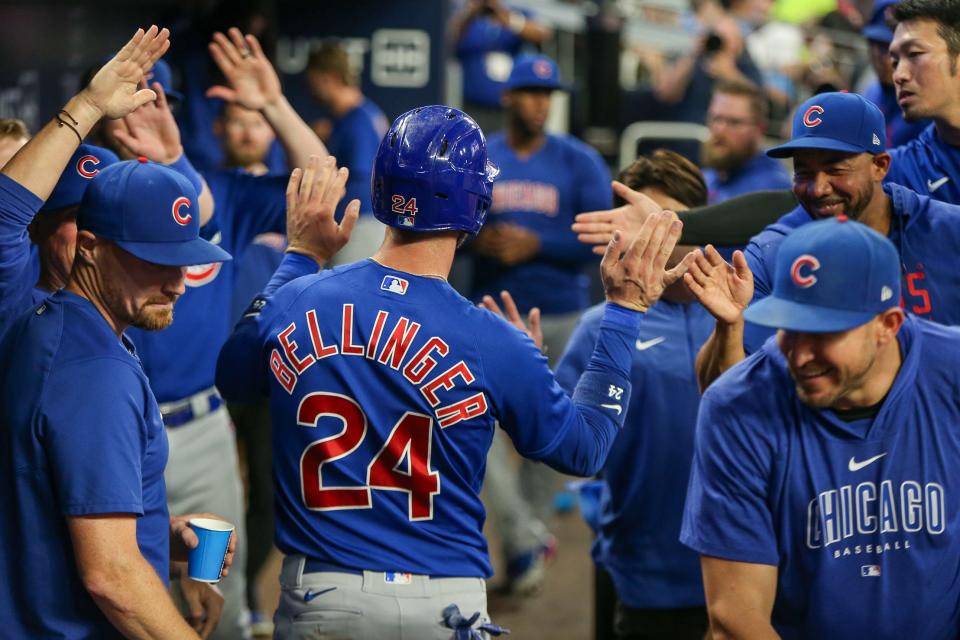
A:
x,y
924,52
84,514
822,498
839,168
386,387
180,361
659,593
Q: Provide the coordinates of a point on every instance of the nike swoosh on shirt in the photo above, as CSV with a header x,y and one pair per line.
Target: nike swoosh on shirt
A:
x,y
613,406
643,345
310,595
933,185
853,465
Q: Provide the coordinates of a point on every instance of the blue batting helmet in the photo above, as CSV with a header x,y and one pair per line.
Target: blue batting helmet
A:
x,y
431,172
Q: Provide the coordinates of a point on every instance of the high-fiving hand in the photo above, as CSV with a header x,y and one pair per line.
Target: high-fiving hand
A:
x,y
597,227
253,81
115,89
723,289
151,130
312,197
633,267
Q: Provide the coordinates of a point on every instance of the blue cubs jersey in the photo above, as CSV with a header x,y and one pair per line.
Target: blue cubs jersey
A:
x,y
18,206
354,142
181,359
260,260
899,131
760,173
928,165
543,193
385,390
486,53
80,434
647,472
860,519
927,235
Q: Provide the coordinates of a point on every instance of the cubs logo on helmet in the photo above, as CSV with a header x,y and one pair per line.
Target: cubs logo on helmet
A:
x,y
178,205
802,271
811,116
83,164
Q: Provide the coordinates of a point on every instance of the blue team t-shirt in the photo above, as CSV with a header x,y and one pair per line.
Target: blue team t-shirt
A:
x,y
385,391
18,206
645,478
928,165
80,435
354,141
761,173
543,193
926,233
862,524
181,359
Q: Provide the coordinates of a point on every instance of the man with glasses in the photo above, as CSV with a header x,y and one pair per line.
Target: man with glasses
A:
x,y
732,157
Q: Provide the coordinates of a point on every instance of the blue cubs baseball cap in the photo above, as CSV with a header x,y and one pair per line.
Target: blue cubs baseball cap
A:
x,y
836,121
877,29
534,71
85,163
149,210
831,275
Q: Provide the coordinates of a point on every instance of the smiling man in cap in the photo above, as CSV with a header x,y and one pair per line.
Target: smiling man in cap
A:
x,y
824,487
840,161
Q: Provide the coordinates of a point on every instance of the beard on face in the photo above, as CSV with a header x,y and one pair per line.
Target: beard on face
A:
x,y
153,318
723,158
852,206
244,155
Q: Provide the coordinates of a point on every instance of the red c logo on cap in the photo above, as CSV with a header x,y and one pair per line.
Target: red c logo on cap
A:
x,y
804,281
542,68
82,166
179,203
811,117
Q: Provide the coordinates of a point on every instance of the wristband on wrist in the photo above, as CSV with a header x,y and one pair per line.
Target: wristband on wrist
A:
x,y
72,124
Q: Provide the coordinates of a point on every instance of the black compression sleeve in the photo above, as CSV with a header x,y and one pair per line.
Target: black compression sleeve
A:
x,y
733,222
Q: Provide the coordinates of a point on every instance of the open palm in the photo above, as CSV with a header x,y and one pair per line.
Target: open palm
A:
x,y
723,289
253,81
115,89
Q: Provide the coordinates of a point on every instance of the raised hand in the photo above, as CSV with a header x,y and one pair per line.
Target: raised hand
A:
x,y
151,130
115,90
597,227
312,197
531,327
633,269
723,289
253,81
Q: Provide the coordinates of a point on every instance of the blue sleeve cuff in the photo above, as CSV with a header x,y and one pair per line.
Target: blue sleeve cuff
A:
x,y
184,168
616,316
20,204
293,266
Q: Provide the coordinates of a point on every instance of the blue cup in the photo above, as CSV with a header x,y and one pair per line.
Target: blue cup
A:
x,y
205,561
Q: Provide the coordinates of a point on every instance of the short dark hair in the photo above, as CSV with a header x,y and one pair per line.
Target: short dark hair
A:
x,y
946,13
331,57
669,172
13,128
745,88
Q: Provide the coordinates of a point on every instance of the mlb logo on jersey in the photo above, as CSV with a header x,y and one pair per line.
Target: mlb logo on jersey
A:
x,y
393,284
397,578
870,571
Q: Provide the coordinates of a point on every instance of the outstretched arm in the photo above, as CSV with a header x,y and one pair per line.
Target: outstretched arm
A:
x,y
113,93
254,84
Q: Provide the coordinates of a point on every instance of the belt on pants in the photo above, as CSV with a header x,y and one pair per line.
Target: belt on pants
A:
x,y
181,412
